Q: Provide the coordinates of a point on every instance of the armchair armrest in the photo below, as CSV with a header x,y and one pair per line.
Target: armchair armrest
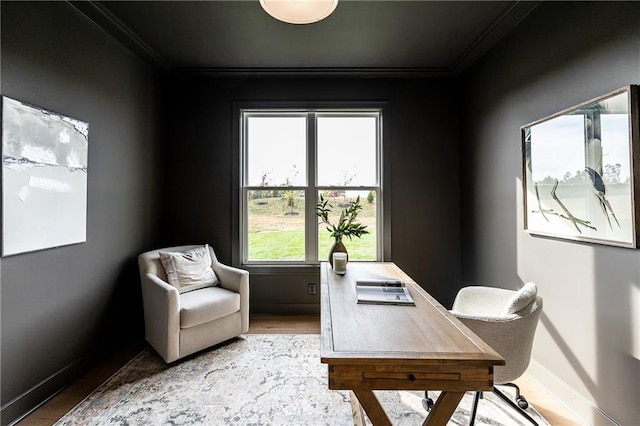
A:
x,y
236,280
161,315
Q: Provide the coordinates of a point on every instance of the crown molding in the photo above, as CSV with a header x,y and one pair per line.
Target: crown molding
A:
x,y
513,13
112,25
359,72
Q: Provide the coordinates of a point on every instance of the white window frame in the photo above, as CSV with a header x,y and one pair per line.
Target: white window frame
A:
x,y
311,189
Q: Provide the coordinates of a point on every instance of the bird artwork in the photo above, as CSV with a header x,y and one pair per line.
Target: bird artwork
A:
x,y
600,191
579,172
541,209
568,215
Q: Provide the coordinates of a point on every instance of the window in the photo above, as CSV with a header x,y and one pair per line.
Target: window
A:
x,y
291,157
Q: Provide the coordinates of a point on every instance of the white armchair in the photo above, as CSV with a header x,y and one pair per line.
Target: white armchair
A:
x,y
179,324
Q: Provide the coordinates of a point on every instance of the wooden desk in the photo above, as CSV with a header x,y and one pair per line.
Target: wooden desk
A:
x,y
389,347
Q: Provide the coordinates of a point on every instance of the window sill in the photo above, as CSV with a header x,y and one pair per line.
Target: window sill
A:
x,y
284,269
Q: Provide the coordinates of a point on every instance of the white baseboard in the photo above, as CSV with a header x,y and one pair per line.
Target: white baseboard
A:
x,y
574,401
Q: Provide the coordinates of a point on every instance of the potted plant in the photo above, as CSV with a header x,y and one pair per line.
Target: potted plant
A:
x,y
347,226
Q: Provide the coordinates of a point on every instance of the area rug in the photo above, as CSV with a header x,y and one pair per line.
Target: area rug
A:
x,y
256,379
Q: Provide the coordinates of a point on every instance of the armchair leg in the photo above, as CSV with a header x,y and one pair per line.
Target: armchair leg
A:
x,y
506,399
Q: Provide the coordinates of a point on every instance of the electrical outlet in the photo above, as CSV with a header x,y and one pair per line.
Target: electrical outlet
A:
x,y
311,288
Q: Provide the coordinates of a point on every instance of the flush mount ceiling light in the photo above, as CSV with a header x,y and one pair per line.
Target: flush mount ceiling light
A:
x,y
299,11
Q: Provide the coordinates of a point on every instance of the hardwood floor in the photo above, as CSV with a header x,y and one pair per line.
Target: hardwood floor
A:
x,y
552,409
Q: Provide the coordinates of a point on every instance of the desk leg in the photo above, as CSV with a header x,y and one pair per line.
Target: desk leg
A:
x,y
372,407
443,410
356,410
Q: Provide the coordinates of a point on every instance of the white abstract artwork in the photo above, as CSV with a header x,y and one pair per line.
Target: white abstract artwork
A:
x,y
44,178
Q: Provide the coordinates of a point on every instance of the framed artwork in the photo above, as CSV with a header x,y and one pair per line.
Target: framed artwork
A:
x,y
44,178
580,172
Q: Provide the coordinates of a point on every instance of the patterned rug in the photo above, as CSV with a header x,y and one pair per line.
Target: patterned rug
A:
x,y
256,379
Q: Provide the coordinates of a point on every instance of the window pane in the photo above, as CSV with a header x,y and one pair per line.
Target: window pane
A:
x,y
363,248
347,151
275,225
276,151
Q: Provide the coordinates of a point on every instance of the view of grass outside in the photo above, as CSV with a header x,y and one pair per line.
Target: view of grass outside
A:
x,y
276,225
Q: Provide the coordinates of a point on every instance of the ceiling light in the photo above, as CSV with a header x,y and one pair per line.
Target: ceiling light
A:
x,y
299,11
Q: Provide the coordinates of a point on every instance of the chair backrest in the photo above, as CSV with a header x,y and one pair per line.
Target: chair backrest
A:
x,y
150,261
511,336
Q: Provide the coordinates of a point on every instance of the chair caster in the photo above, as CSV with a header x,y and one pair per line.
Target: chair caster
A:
x,y
522,402
427,403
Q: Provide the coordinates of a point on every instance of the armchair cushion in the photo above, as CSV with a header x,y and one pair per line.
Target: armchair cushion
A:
x,y
189,270
207,304
521,299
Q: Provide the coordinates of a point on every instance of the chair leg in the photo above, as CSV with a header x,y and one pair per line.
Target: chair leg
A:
x,y
522,402
427,402
506,399
474,409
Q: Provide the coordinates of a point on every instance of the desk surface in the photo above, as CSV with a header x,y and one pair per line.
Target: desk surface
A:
x,y
425,333
424,336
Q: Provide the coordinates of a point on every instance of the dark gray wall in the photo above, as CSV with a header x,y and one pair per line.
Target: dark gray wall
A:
x,y
58,305
564,53
424,183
